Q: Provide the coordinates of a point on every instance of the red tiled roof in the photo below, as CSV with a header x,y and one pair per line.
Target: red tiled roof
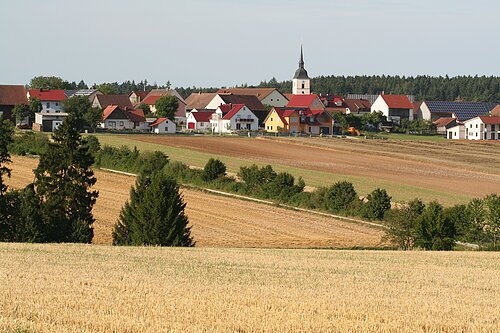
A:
x,y
12,95
490,120
444,121
397,101
139,93
151,99
108,111
249,101
202,116
135,115
48,95
199,100
281,114
260,93
122,101
304,101
233,111
355,105
496,111
158,122
225,108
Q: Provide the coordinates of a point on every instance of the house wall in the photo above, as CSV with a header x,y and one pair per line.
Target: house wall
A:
x,y
293,123
215,103
166,127
301,87
244,114
51,106
475,129
380,105
198,125
117,124
272,123
423,112
456,133
275,99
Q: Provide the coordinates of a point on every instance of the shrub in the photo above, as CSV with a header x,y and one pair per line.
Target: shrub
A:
x,y
402,224
29,143
255,177
379,202
340,196
213,170
434,230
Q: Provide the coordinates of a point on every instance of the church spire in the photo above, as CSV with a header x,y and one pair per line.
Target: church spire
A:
x,y
301,62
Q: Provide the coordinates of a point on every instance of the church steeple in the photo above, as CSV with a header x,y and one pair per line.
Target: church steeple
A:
x,y
301,81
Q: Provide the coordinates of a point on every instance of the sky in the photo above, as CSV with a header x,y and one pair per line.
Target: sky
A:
x,y
222,43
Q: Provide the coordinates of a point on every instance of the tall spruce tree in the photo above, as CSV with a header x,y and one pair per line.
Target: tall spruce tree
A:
x,y
5,139
63,180
154,215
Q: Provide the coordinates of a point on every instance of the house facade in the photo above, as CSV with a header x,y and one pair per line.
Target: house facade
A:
x,y
154,95
395,107
199,121
10,96
163,126
51,100
137,96
116,118
310,101
456,132
250,101
299,120
443,124
482,128
267,96
238,118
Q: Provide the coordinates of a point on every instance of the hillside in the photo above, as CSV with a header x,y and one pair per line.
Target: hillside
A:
x,y
219,221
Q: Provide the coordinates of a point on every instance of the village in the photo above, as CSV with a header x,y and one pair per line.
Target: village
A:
x,y
249,111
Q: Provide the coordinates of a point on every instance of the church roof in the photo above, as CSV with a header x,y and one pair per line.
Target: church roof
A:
x,y
301,72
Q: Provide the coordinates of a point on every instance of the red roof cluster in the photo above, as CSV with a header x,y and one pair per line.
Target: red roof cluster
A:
x,y
397,101
234,110
490,120
134,115
48,95
12,95
158,122
202,116
303,101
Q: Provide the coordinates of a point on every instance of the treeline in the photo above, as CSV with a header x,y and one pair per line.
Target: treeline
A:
x,y
411,225
441,88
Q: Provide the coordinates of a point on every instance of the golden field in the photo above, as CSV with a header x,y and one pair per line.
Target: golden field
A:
x,y
92,288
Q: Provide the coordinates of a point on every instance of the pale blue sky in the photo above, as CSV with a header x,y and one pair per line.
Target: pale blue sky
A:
x,y
228,42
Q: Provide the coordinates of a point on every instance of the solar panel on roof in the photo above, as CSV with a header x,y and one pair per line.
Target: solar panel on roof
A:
x,y
462,110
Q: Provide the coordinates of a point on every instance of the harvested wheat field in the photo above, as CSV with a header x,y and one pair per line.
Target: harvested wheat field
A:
x,y
451,172
84,288
219,221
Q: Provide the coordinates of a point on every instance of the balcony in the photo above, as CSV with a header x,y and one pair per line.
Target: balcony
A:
x,y
243,120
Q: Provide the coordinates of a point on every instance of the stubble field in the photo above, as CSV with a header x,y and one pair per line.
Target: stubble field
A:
x,y
448,171
84,288
219,221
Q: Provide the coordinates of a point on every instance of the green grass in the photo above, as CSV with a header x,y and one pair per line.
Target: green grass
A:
x,y
363,185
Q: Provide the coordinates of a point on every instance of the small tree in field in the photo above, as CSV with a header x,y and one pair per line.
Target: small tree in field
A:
x,y
154,215
434,230
402,226
166,106
213,169
378,203
340,196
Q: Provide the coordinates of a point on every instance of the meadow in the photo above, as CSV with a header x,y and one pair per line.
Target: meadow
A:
x,y
89,288
449,172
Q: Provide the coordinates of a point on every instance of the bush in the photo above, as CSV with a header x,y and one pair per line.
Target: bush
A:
x,y
402,223
379,202
29,143
434,230
340,196
213,170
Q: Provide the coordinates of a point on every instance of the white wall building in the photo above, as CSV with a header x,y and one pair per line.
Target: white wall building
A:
x,y
456,132
482,128
301,83
238,118
114,118
394,107
199,121
163,126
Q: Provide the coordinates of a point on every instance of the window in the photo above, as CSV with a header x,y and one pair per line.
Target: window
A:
x,y
57,104
238,126
48,105
303,85
271,119
493,128
121,123
477,125
271,99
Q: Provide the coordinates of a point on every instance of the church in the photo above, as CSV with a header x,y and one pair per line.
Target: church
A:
x,y
301,81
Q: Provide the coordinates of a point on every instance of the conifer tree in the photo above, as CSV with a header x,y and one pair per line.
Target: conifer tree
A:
x,y
154,215
63,180
6,132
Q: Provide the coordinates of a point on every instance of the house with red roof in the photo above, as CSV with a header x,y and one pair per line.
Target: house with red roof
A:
x,y
10,96
155,94
311,101
163,126
250,101
230,118
103,101
52,100
199,120
482,128
137,96
394,107
299,120
444,123
116,118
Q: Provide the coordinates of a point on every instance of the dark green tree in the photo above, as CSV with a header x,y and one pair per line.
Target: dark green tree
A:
x,y
146,109
92,118
254,176
378,203
340,196
63,180
154,215
6,132
213,169
166,107
434,230
403,222
492,217
79,107
48,82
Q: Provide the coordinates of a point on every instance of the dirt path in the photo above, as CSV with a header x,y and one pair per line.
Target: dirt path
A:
x,y
219,221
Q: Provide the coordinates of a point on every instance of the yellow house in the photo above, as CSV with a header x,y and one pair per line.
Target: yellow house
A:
x,y
281,120
298,120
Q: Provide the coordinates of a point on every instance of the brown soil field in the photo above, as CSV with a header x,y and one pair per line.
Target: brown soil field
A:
x,y
219,221
468,168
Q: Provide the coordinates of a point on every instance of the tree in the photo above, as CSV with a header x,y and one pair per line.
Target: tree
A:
x,y
23,111
106,88
378,203
213,169
154,215
492,217
340,119
26,221
92,118
49,82
434,230
403,223
6,133
166,107
340,196
79,107
145,108
63,180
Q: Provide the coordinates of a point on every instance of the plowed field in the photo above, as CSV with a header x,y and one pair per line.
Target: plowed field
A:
x,y
219,221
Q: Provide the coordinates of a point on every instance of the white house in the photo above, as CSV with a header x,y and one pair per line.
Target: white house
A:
x,y
51,116
163,126
394,107
199,120
233,117
462,111
456,132
482,128
115,118
48,122
267,96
